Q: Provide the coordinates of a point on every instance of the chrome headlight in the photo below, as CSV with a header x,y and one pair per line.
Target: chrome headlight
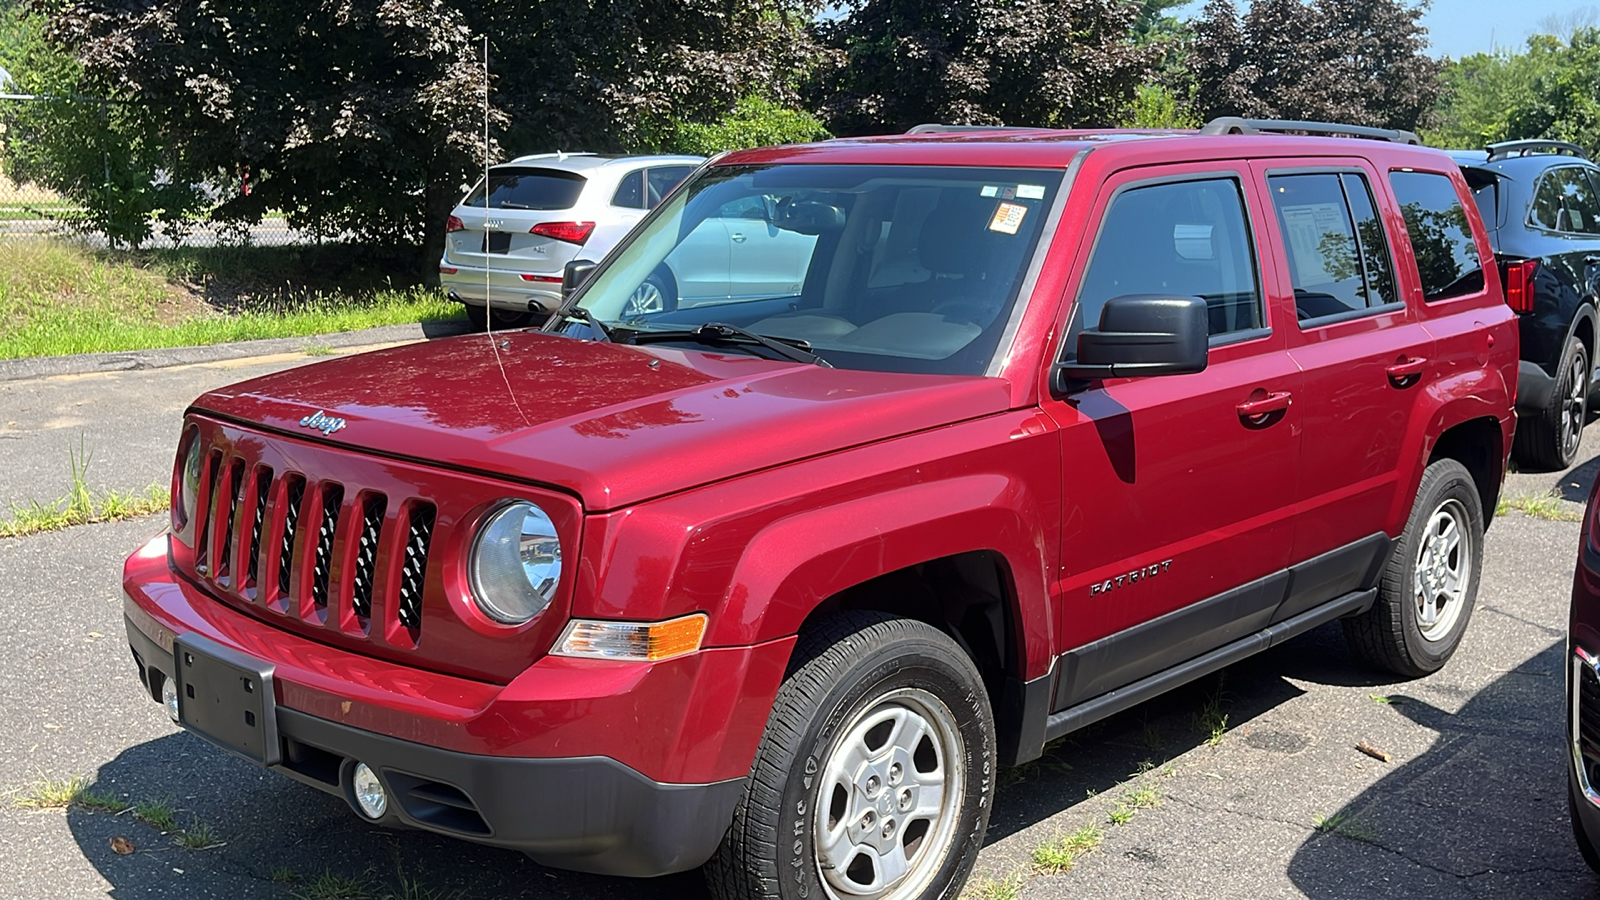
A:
x,y
516,563
183,509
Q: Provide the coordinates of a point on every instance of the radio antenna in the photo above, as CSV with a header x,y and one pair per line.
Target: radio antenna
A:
x,y
488,305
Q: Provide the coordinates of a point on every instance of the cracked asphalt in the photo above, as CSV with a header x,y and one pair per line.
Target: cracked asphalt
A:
x,y
1470,804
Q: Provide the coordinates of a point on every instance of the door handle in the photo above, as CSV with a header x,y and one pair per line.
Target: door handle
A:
x,y
1411,367
1276,401
738,238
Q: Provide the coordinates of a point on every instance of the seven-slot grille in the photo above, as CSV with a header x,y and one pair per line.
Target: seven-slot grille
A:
x,y
256,518
1589,713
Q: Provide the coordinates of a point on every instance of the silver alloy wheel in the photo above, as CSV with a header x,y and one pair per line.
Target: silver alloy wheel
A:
x,y
891,794
1443,570
645,299
1572,405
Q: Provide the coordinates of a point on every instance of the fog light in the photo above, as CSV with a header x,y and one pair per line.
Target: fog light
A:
x,y
370,795
169,696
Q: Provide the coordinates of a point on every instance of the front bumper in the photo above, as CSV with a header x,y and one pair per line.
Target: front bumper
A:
x,y
592,814
617,769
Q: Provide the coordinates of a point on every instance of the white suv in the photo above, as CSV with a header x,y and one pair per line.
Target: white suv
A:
x,y
506,246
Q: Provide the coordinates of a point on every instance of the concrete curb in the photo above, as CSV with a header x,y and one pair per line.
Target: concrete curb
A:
x,y
131,360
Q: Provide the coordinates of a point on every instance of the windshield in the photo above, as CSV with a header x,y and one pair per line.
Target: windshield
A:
x,y
887,268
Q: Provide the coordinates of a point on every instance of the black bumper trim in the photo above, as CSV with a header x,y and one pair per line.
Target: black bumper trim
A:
x,y
589,814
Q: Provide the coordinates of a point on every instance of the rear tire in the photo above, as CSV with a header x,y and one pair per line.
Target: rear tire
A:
x,y
875,775
1548,440
1430,584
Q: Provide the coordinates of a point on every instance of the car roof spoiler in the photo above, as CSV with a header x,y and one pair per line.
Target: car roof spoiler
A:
x,y
1507,149
1237,125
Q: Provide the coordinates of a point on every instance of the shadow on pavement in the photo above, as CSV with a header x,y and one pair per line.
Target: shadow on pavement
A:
x,y
278,837
1486,804
1575,485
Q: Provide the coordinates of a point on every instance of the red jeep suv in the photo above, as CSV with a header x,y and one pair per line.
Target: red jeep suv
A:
x,y
772,575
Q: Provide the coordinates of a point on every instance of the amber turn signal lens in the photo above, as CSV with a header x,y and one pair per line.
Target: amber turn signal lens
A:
x,y
645,641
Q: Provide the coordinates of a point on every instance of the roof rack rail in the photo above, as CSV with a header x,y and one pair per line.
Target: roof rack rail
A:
x,y
938,128
1506,149
1237,125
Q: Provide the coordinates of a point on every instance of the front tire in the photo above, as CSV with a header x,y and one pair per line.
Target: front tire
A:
x,y
1430,585
1549,439
875,775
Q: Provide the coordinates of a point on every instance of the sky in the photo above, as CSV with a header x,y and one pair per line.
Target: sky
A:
x,y
1458,28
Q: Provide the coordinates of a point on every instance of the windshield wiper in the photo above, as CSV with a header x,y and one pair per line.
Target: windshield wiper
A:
x,y
512,204
587,318
723,333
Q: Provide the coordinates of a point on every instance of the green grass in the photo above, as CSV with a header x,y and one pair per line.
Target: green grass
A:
x,y
57,298
1539,506
1061,854
198,836
20,210
1346,827
329,886
52,793
158,814
81,504
284,875
1212,720
1008,888
100,801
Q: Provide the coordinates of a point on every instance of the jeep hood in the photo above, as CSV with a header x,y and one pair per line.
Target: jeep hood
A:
x,y
613,424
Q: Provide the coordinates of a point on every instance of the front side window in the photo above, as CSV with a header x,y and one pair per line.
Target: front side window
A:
x,y
1441,238
888,268
525,187
1338,259
1180,239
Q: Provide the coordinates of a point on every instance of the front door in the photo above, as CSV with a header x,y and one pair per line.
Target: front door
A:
x,y
1177,519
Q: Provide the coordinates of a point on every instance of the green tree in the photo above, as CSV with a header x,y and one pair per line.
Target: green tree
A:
x,y
1355,61
107,156
367,117
1563,100
892,64
754,122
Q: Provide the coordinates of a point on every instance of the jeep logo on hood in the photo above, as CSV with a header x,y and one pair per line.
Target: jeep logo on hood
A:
x,y
322,422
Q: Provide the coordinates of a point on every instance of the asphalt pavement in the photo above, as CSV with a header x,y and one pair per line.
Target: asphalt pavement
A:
x,y
1275,802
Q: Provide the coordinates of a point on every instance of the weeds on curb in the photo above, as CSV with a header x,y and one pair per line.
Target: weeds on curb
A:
x,y
52,793
329,886
1061,854
1538,506
158,814
1211,720
82,505
1008,888
1344,826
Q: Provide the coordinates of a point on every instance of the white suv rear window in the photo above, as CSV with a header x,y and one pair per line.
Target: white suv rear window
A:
x,y
518,187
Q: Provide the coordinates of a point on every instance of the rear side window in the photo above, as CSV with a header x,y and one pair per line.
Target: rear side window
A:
x,y
518,187
1338,259
1485,188
630,193
1565,201
1181,239
1441,239
662,180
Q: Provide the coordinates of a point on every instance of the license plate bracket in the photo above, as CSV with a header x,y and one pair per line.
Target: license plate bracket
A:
x,y
496,242
227,698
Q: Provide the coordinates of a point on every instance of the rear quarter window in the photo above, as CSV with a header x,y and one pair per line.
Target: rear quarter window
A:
x,y
1441,238
518,187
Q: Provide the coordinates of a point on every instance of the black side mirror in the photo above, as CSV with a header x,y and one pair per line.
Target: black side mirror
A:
x,y
574,275
1141,334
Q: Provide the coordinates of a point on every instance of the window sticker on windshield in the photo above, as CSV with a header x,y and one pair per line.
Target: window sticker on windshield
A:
x,y
999,190
1007,218
990,190
1030,192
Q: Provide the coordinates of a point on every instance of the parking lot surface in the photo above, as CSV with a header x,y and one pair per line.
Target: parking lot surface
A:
x,y
1243,785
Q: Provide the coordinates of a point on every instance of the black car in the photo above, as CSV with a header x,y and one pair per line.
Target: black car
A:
x,y
1541,203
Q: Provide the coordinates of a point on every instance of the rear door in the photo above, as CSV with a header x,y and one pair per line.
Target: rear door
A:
x,y
1367,361
1176,530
